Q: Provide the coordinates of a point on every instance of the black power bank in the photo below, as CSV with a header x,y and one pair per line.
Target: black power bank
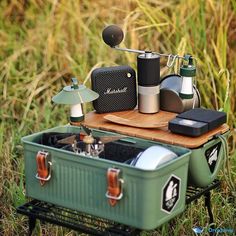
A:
x,y
196,122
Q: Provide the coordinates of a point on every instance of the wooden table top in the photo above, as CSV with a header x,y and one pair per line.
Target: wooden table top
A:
x,y
95,120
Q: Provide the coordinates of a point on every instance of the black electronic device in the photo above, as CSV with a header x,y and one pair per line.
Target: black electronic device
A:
x,y
196,122
213,118
188,127
116,87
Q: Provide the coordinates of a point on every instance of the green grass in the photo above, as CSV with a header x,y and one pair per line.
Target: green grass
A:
x,y
44,43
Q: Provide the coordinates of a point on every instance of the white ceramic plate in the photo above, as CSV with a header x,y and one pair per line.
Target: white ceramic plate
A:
x,y
153,157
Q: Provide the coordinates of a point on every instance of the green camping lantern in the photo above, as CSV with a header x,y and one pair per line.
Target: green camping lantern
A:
x,y
75,95
187,72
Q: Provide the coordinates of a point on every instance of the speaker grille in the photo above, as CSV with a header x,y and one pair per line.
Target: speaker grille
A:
x,y
116,87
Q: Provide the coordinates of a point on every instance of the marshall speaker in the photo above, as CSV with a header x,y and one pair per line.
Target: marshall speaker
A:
x,y
116,87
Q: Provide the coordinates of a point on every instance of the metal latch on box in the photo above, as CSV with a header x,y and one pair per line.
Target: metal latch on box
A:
x,y
44,167
114,186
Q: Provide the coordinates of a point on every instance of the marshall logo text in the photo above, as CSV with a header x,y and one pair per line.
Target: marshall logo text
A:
x,y
114,91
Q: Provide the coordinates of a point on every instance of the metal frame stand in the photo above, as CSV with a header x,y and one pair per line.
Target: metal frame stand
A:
x,y
92,225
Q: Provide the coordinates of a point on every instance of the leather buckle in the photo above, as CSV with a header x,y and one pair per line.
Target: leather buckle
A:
x,y
43,167
114,186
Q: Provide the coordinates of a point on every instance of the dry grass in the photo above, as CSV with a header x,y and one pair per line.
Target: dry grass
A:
x,y
43,43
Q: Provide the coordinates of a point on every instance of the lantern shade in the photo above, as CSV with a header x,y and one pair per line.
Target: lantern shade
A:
x,y
75,95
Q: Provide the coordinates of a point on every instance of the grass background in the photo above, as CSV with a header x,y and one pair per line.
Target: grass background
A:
x,y
44,42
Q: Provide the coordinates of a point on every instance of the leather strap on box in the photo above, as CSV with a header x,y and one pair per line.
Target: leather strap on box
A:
x,y
42,167
114,186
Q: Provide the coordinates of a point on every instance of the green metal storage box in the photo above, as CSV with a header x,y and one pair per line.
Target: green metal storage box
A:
x,y
206,161
80,183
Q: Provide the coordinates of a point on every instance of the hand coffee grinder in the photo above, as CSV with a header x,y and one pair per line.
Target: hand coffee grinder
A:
x,y
148,68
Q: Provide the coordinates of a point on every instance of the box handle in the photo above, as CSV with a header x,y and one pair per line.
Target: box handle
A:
x,y
44,167
114,186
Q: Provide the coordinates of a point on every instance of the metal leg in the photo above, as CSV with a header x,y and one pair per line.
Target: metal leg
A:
x,y
208,206
32,223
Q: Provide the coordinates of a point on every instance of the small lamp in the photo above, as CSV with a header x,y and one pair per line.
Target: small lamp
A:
x,y
75,95
187,72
